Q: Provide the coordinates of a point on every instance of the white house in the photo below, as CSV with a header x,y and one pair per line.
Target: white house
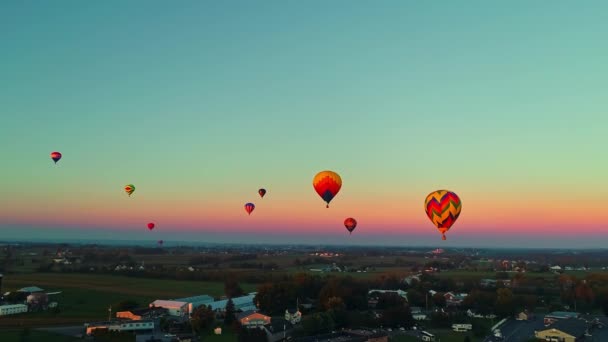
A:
x,y
400,293
175,308
293,316
12,309
139,326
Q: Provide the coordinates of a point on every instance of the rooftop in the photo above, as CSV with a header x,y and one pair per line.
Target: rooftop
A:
x,y
562,314
30,289
201,298
573,327
168,304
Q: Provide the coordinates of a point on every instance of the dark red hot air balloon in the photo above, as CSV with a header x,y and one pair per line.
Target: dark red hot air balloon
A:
x,y
350,224
262,192
151,225
55,156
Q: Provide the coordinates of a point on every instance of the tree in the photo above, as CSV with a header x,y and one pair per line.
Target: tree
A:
x,y
230,310
274,298
397,316
125,305
389,300
232,288
202,318
467,339
505,305
439,300
252,335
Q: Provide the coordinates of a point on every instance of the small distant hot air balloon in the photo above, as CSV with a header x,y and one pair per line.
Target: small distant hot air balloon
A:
x,y
249,207
160,243
350,224
262,192
151,225
327,184
129,189
55,156
443,208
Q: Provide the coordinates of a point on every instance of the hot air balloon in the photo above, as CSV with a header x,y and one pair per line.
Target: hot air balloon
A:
x,y
327,184
443,208
249,207
160,243
151,225
262,192
129,189
55,156
350,224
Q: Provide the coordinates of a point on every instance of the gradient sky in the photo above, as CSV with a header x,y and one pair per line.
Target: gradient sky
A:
x,y
200,103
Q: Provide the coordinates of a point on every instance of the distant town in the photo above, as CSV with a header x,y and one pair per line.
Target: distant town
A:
x,y
70,292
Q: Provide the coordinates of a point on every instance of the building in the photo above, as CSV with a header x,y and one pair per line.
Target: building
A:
x,y
523,316
454,299
347,336
30,289
137,327
400,293
12,309
559,315
174,308
427,336
251,319
244,303
142,313
293,316
565,330
196,301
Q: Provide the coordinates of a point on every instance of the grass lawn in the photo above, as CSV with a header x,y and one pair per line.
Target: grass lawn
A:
x,y
86,297
143,287
14,335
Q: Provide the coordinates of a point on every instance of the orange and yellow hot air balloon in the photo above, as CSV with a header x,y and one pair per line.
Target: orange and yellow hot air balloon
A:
x,y
327,184
443,208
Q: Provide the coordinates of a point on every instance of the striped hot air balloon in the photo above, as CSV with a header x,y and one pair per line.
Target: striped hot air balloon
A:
x,y
327,184
443,208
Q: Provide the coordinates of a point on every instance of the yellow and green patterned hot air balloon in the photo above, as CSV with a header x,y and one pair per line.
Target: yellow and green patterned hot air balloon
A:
x,y
129,189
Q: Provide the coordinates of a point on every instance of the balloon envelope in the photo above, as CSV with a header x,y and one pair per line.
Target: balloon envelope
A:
x,y
350,224
262,192
55,156
151,225
327,184
249,207
129,189
443,208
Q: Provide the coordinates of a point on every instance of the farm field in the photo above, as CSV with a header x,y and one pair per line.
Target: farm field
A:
x,y
86,297
16,335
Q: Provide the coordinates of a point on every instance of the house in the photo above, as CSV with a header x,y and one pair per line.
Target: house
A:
x,y
524,316
487,282
174,308
566,330
293,316
417,313
427,336
251,319
559,315
452,299
410,279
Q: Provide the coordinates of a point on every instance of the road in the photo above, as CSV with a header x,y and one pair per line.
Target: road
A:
x,y
518,331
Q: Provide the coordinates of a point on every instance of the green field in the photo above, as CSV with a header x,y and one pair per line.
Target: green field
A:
x,y
86,297
15,335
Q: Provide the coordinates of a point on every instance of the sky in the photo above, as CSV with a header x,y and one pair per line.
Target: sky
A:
x,y
200,103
